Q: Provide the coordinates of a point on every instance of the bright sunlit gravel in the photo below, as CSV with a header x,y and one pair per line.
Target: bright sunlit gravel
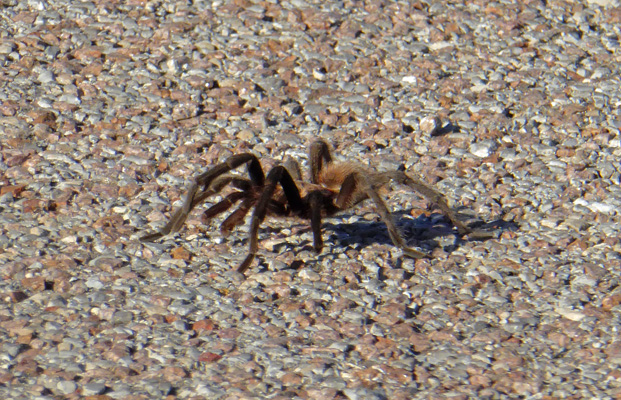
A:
x,y
509,109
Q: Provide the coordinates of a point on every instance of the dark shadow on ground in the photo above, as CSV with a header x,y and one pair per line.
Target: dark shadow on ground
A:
x,y
418,232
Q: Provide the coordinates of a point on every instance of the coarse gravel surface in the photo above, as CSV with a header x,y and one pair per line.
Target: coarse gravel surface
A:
x,y
510,109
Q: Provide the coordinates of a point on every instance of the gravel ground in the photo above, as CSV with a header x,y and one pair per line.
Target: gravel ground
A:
x,y
108,108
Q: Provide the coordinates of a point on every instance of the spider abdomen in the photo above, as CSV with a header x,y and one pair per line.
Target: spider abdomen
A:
x,y
334,174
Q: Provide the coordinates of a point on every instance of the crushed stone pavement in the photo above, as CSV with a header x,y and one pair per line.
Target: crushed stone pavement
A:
x,y
511,110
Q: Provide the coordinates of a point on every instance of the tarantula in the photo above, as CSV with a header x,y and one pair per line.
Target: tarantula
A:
x,y
334,186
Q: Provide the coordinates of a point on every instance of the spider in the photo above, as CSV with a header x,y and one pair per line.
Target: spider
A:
x,y
334,187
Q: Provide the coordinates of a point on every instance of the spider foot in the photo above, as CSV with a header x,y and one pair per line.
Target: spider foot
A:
x,y
151,237
480,234
410,252
245,264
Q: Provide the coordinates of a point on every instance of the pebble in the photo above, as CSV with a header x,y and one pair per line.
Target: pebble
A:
x,y
93,389
483,149
308,274
66,387
430,125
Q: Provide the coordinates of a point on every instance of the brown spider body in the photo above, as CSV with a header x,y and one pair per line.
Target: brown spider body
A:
x,y
329,183
333,175
333,187
305,188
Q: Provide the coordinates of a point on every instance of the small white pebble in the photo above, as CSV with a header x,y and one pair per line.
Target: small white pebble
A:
x,y
572,315
46,76
482,149
595,206
429,125
309,274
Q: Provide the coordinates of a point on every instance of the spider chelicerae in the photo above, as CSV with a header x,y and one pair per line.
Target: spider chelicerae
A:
x,y
334,186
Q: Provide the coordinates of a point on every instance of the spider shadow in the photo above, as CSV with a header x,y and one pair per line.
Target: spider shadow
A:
x,y
417,232
446,129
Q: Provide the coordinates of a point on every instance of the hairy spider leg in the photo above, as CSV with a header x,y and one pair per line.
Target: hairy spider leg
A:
x,y
345,197
211,182
223,205
278,175
254,169
294,168
316,203
428,193
220,183
193,198
237,216
319,156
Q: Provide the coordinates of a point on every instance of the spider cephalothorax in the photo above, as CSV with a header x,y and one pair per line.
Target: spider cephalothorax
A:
x,y
334,186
